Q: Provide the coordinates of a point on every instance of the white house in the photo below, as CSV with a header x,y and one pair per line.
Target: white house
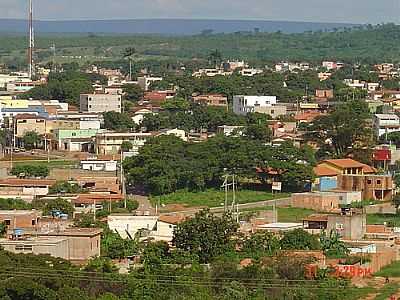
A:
x,y
127,225
386,123
179,133
145,81
140,114
250,72
247,104
166,224
99,165
230,130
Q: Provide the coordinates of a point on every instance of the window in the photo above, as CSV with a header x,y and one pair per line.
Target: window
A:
x,y
378,181
7,222
33,222
339,226
272,111
369,181
74,134
24,248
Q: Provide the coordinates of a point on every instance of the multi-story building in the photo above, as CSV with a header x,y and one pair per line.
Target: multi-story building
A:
x,y
100,103
27,122
386,123
372,187
243,105
145,81
110,142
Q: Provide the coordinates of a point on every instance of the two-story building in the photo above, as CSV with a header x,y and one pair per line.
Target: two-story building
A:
x,y
386,123
109,143
100,103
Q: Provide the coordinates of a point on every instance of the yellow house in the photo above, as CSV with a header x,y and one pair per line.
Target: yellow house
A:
x,y
12,103
345,166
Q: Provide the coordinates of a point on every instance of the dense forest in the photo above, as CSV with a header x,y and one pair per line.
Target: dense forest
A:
x,y
363,44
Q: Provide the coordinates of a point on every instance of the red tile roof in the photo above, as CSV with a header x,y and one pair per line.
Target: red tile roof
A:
x,y
29,117
172,219
307,116
320,171
26,182
98,198
345,163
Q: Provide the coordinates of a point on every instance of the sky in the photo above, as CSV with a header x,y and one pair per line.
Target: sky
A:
x,y
344,11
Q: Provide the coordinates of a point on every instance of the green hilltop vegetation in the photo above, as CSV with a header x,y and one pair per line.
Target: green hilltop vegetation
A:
x,y
364,44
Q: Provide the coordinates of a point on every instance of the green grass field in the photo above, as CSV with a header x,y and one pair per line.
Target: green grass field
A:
x,y
293,214
52,164
392,270
213,198
285,214
393,220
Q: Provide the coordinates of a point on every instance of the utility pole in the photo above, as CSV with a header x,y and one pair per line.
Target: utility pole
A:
x,y
31,69
123,180
234,206
130,69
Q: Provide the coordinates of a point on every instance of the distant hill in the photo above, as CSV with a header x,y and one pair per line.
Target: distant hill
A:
x,y
164,26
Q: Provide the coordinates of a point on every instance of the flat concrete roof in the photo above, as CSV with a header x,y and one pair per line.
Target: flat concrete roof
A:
x,y
34,241
88,232
19,212
281,226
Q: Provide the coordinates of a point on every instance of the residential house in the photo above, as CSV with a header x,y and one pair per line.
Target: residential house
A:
x,y
165,226
53,246
127,225
28,122
322,76
99,165
179,133
386,123
140,114
110,142
14,77
211,100
230,130
250,72
77,245
327,172
80,140
324,94
100,103
246,104
20,187
14,219
279,128
145,81
372,187
88,203
349,225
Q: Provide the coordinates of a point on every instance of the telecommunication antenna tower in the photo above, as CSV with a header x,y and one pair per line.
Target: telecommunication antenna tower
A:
x,y
31,68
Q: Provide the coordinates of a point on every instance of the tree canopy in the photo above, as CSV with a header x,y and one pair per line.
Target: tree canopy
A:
x,y
166,163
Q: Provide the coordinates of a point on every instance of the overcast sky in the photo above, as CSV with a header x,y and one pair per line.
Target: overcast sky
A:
x,y
351,11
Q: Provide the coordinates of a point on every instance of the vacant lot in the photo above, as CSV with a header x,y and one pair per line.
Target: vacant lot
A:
x,y
213,198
